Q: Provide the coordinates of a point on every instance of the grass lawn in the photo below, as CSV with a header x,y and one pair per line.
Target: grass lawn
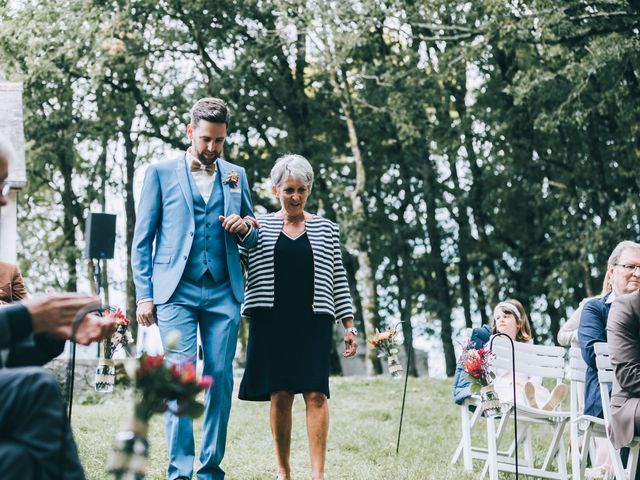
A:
x,y
362,439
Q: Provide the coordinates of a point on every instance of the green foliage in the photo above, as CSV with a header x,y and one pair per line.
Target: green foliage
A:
x,y
499,139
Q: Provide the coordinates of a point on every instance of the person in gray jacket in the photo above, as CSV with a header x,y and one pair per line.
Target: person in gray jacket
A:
x,y
623,333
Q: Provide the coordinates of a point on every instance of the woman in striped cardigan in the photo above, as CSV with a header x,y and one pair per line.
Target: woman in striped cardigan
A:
x,y
296,289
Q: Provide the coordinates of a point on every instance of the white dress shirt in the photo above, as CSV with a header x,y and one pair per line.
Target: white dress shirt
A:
x,y
202,179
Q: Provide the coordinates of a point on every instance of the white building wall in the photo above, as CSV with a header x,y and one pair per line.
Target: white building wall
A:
x,y
11,127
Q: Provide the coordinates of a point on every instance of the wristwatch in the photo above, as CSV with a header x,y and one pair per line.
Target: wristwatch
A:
x,y
353,330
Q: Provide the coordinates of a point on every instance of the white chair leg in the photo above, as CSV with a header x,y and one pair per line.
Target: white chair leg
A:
x,y
574,442
492,459
618,469
632,463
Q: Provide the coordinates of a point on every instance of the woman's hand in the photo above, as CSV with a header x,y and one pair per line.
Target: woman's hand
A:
x,y
350,345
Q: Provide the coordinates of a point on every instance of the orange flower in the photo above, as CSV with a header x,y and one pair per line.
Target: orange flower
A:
x,y
384,335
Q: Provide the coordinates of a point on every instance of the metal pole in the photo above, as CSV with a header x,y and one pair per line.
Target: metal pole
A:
x,y
71,372
404,396
513,379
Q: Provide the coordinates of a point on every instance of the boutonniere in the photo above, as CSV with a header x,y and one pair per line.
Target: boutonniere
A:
x,y
232,179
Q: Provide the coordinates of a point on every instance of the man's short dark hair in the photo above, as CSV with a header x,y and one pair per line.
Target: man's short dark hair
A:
x,y
210,109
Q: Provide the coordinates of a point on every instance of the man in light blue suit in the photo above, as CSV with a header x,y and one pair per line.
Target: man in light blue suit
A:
x,y
187,273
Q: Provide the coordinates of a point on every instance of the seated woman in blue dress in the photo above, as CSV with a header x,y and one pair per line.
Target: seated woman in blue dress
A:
x,y
296,290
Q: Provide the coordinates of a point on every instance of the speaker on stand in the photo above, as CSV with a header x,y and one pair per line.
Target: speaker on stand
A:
x,y
100,237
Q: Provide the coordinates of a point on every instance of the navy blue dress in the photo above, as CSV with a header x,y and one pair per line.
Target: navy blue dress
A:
x,y
289,345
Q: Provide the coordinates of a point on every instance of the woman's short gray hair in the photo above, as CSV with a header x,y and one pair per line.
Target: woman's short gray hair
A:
x,y
292,166
620,248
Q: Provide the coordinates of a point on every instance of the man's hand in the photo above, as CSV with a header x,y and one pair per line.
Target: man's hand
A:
x,y
146,313
91,329
234,224
54,313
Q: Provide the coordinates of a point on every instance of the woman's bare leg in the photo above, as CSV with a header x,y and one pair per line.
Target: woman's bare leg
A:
x,y
280,417
317,431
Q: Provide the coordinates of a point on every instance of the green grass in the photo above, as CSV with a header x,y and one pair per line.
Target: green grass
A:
x,y
362,439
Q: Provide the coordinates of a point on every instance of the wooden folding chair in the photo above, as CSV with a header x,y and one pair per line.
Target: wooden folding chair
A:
x,y
532,360
582,426
605,379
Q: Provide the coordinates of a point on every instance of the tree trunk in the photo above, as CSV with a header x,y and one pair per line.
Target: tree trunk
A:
x,y
441,286
405,304
365,276
68,203
130,221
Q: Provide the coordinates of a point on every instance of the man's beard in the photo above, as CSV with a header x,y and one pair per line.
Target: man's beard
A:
x,y
207,161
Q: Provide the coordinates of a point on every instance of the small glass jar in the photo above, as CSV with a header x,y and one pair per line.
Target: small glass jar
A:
x,y
129,455
489,401
395,367
105,375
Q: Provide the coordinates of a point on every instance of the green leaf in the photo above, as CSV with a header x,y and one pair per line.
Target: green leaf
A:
x,y
194,409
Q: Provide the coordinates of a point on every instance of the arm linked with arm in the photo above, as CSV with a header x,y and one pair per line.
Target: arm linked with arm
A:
x,y
250,239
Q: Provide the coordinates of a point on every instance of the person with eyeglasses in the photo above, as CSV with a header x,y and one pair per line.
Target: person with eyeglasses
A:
x,y
623,268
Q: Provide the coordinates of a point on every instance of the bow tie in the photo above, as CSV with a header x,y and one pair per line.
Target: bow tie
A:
x,y
197,167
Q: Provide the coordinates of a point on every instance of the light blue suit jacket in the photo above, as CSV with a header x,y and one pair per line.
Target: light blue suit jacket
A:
x,y
165,220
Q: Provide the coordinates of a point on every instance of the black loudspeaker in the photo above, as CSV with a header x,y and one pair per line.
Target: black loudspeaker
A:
x,y
100,235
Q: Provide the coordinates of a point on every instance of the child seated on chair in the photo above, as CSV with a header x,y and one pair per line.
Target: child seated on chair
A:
x,y
510,318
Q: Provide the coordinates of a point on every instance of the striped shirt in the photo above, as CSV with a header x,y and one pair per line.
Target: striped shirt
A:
x,y
330,287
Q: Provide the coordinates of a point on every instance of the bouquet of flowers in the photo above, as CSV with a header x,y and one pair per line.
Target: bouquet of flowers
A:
x,y
158,383
120,338
477,365
385,343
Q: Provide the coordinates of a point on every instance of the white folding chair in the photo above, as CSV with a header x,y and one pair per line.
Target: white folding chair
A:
x,y
605,379
470,416
532,360
585,426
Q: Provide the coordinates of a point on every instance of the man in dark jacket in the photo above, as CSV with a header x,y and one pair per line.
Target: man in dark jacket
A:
x,y
35,438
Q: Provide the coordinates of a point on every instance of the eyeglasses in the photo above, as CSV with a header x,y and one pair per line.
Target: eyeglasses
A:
x,y
4,190
628,268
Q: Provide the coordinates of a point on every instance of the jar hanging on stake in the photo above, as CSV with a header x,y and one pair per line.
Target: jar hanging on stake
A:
x,y
105,375
129,455
395,367
489,401
119,339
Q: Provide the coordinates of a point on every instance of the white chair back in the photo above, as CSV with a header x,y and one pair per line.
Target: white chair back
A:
x,y
605,378
532,360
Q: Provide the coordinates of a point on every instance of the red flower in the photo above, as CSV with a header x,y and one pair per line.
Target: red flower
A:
x,y
473,364
184,373
205,382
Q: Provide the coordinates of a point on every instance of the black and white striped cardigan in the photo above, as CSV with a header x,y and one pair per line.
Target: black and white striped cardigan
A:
x,y
330,287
